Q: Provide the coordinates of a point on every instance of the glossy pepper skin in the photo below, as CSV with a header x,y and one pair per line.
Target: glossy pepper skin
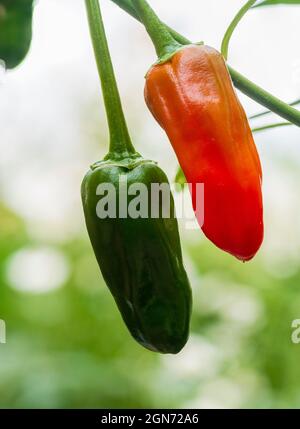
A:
x,y
15,30
140,259
192,97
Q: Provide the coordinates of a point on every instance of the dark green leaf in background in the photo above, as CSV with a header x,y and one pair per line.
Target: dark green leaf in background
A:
x,y
15,30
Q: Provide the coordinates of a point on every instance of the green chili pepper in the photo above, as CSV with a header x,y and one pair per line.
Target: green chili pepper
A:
x,y
15,30
140,258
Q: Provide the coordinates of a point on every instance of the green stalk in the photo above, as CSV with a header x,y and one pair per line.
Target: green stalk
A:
x,y
127,6
120,142
240,82
271,126
267,112
241,13
164,42
265,98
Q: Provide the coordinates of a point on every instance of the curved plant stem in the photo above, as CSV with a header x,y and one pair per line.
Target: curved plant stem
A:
x,y
267,112
276,3
241,82
120,142
242,12
164,42
270,126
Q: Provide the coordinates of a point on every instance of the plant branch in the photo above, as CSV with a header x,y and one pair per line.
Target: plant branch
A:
x,y
128,7
163,41
120,142
265,98
267,112
241,13
271,126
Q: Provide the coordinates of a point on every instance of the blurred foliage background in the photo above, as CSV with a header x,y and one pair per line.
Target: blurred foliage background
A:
x,y
66,344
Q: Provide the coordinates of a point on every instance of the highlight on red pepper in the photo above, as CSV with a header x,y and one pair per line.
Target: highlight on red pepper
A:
x,y
190,93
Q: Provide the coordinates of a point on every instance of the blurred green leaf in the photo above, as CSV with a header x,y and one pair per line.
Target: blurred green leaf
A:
x,y
15,31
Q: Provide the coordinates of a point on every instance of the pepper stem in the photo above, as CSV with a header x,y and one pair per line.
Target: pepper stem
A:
x,y
164,42
120,142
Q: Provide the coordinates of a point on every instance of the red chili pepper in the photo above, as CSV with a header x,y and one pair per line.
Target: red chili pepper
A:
x,y
192,97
